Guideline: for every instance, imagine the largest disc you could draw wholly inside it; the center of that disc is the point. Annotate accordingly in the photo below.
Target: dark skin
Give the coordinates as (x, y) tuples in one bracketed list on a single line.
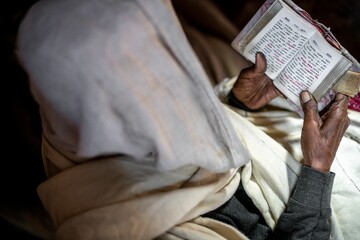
[(253, 87), (321, 133)]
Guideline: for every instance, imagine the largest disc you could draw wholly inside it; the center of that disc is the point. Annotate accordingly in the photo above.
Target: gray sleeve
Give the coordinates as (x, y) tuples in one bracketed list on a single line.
[(308, 212)]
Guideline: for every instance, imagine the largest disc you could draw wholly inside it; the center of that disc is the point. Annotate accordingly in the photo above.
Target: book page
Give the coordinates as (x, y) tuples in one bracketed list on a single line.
[(280, 40), (308, 68)]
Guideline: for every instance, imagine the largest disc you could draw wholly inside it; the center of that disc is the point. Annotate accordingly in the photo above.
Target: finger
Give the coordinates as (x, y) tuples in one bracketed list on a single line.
[(260, 63), (343, 99), (337, 115), (311, 115), (339, 105)]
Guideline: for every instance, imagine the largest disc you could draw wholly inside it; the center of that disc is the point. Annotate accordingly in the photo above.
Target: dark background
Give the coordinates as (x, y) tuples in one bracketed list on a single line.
[(21, 166)]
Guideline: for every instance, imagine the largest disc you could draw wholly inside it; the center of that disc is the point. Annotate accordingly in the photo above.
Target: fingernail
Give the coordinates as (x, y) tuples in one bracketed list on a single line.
[(305, 96), (258, 54)]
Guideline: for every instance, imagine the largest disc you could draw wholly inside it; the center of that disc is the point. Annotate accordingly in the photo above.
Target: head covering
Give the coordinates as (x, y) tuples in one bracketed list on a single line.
[(120, 78)]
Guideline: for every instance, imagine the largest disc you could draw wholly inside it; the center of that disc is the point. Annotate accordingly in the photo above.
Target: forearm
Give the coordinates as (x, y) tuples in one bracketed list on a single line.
[(308, 212)]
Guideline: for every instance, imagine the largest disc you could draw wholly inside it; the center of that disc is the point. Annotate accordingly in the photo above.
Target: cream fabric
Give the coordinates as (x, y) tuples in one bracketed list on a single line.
[(102, 193), (203, 229), (118, 198)]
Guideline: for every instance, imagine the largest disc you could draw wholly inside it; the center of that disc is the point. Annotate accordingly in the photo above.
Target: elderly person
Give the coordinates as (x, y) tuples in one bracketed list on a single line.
[(136, 144)]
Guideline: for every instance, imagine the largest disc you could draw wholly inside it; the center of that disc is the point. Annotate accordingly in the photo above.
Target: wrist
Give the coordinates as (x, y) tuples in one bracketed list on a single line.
[(320, 167)]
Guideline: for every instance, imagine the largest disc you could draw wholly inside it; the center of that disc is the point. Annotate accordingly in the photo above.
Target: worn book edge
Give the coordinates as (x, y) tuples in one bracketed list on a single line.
[(349, 84)]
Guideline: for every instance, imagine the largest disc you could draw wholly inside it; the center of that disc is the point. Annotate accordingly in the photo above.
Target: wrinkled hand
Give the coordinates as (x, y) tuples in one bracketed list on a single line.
[(253, 88), (321, 135)]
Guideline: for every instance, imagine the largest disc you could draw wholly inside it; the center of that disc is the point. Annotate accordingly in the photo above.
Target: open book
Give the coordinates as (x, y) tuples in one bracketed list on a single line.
[(301, 53)]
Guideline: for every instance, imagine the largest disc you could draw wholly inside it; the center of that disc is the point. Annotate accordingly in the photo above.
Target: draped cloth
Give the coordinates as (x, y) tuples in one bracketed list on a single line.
[(124, 82), (101, 194)]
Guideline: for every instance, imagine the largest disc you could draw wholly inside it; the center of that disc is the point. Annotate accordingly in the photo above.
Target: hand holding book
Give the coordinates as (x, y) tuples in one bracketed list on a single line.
[(253, 88), (301, 53), (321, 134)]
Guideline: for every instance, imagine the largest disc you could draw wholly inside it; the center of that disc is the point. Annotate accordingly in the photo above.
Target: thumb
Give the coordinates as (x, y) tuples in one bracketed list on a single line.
[(309, 106), (260, 63)]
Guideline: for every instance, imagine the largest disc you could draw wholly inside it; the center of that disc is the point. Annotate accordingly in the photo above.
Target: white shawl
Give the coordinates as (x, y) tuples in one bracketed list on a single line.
[(119, 77)]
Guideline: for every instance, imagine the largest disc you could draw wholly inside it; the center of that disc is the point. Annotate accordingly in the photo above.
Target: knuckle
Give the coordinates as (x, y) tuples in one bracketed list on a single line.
[(309, 106)]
